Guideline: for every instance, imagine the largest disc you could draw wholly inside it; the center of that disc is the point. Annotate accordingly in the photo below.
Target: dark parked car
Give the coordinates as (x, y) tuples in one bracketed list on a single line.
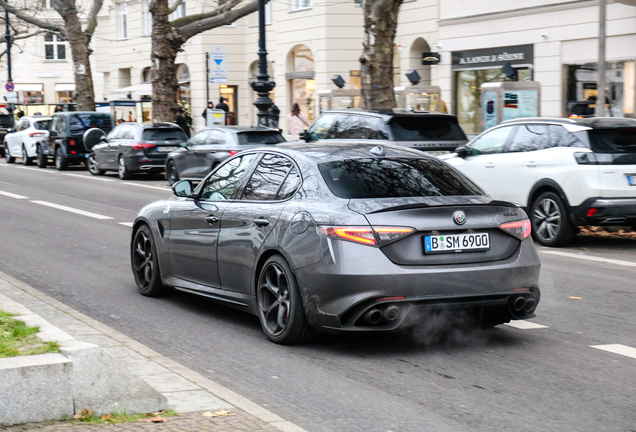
[(133, 147), (6, 124), (208, 148), (431, 132), (332, 237), (66, 137)]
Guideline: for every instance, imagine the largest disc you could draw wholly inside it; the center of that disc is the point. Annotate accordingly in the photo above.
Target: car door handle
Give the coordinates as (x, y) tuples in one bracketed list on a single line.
[(211, 219), (261, 222), (531, 164), (490, 165)]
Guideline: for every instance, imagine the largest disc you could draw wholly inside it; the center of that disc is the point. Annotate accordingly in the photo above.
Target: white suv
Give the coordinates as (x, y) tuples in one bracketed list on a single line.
[(564, 172), (22, 141)]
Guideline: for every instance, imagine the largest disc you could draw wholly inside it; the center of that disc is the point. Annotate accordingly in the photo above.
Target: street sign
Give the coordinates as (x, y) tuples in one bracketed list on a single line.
[(12, 96), (9, 86), (218, 65)]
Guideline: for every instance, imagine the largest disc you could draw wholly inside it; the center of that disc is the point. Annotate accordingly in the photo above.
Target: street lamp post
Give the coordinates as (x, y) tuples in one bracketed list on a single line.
[(600, 70), (7, 37), (262, 86)]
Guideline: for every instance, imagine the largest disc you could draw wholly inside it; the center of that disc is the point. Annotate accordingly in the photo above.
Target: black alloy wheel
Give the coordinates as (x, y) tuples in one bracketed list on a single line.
[(7, 154), (145, 265), (61, 163), (171, 173), (280, 307), (41, 157), (122, 171), (550, 223), (93, 168), (26, 160)]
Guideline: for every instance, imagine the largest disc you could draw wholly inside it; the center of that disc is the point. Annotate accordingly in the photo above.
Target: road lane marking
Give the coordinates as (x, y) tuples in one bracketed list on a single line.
[(128, 224), (89, 177), (590, 258), (146, 186), (37, 169), (525, 325), (12, 195), (71, 210), (617, 349)]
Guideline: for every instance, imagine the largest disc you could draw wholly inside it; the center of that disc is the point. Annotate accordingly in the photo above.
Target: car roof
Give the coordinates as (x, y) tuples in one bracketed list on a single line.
[(593, 122), (37, 118), (80, 112), (327, 150), (239, 129), (153, 125), (388, 113)]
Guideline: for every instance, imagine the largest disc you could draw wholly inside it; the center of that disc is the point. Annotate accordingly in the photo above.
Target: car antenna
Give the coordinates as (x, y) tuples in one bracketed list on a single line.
[(378, 151)]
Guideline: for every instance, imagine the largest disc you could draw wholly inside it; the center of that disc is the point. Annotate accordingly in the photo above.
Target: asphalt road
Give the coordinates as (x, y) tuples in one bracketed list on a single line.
[(534, 379)]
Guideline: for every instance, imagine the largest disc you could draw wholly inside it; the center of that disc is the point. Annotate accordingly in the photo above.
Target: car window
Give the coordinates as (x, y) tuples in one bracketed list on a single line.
[(114, 134), (619, 140), (393, 178), (491, 142), (267, 178), (254, 137), (42, 124), (290, 185), (321, 126), (222, 184), (163, 134), (426, 128), (529, 137), (198, 139), (216, 137), (346, 127), (61, 124), (22, 125), (80, 123), (561, 137), (125, 133)]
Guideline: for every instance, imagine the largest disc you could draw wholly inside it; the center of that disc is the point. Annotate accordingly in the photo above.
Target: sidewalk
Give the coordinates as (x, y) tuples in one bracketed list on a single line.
[(187, 392)]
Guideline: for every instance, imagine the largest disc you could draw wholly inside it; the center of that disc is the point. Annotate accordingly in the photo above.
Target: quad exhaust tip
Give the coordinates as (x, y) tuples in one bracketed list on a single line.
[(392, 313)]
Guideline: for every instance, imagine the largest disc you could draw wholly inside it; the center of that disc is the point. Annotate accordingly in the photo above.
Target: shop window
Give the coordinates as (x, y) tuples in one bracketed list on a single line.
[(122, 20), (64, 97), (33, 97), (301, 80), (54, 47), (301, 4), (146, 17)]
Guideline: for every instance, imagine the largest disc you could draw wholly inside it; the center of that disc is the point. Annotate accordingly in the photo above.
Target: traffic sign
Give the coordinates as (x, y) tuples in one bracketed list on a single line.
[(218, 65), (12, 96), (9, 86)]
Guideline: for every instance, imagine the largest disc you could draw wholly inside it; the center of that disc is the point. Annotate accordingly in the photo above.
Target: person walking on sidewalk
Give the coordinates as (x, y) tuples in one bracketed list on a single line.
[(296, 122), (182, 122), (205, 111)]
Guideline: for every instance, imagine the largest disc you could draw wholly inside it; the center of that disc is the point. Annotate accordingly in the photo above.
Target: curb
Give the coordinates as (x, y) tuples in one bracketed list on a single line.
[(195, 378)]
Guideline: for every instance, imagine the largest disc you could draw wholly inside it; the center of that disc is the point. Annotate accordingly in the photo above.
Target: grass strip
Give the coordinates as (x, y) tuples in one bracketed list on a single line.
[(18, 339)]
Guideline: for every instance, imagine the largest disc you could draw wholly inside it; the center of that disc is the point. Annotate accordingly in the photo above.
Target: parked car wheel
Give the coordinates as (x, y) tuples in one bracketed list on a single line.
[(7, 154), (171, 173), (123, 172), (41, 157), (26, 160), (60, 160), (93, 168), (280, 307), (145, 264), (550, 223)]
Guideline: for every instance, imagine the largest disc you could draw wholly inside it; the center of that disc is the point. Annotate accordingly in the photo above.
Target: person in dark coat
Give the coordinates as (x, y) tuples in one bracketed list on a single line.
[(205, 111), (274, 115), (182, 121), (222, 105)]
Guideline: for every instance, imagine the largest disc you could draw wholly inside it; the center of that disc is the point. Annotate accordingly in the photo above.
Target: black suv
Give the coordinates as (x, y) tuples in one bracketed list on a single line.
[(66, 137), (431, 132), (6, 124)]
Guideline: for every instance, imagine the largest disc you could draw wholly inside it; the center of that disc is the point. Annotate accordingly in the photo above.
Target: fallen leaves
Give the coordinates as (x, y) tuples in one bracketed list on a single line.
[(219, 413), (152, 420), (576, 298), (83, 414), (106, 417)]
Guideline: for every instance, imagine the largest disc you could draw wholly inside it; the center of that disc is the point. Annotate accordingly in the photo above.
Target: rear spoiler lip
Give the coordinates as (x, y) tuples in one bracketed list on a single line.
[(496, 203)]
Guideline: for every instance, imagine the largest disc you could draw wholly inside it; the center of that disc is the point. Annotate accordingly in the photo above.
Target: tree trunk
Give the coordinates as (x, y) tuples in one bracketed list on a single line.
[(380, 25), (78, 41), (166, 43)]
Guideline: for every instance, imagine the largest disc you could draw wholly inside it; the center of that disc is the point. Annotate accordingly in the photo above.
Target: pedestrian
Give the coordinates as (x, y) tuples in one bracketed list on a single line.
[(274, 116), (182, 121), (222, 105), (205, 111), (58, 108), (296, 122)]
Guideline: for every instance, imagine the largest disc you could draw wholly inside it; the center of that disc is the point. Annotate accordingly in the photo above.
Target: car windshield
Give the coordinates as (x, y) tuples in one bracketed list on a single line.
[(80, 123), (5, 121), (426, 129), (163, 134), (42, 124), (254, 137), (619, 140), (394, 178)]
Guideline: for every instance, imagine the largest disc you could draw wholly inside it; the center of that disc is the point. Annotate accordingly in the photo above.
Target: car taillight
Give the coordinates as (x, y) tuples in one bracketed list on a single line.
[(370, 236), (142, 146), (71, 142), (37, 134), (520, 229), (233, 152)]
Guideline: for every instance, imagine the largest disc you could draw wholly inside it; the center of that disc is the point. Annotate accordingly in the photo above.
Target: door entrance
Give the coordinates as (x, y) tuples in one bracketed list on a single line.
[(230, 93)]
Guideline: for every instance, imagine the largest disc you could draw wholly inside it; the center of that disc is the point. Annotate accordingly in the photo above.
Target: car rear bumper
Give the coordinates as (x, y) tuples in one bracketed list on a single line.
[(606, 211), (143, 163), (338, 294)]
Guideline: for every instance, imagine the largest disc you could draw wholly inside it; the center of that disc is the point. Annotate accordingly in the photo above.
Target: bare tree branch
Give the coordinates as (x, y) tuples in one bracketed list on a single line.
[(92, 17), (47, 25), (26, 36), (181, 22), (201, 25), (174, 6)]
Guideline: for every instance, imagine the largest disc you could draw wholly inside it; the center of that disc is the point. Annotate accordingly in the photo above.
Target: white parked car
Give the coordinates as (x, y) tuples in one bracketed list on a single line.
[(22, 141), (566, 173)]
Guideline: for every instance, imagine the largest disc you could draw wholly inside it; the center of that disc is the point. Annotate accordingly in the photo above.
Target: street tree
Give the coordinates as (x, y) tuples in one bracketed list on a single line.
[(376, 62), (168, 38), (78, 39), (19, 31)]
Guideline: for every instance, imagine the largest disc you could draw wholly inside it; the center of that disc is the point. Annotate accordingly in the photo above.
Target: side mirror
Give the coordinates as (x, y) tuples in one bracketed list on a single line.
[(183, 188), (184, 144), (103, 139), (462, 151), (305, 135)]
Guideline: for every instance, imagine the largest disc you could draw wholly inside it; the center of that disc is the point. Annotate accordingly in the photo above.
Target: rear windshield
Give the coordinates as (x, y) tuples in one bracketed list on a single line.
[(254, 137), (620, 140), (80, 123), (163, 135), (43, 124), (426, 129), (394, 178), (5, 121)]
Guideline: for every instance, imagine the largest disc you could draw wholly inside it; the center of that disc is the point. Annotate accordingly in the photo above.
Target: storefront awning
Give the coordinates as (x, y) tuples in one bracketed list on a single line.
[(29, 87), (64, 87), (139, 89)]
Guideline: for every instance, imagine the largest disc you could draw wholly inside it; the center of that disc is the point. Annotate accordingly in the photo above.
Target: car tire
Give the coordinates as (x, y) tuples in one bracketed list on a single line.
[(551, 225), (279, 305), (93, 168), (7, 154), (172, 175), (26, 160), (145, 264), (122, 170), (41, 158), (61, 163)]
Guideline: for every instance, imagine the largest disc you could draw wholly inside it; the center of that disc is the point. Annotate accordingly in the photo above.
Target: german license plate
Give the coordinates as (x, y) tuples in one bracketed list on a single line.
[(166, 149), (631, 179), (452, 243)]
